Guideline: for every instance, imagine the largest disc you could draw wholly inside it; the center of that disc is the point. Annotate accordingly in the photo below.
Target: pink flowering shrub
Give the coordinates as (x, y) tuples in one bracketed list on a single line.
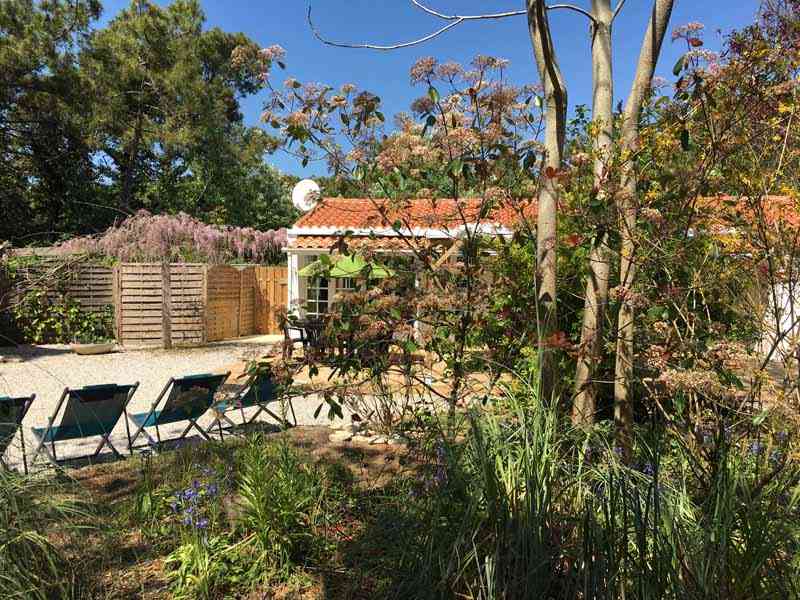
[(145, 237)]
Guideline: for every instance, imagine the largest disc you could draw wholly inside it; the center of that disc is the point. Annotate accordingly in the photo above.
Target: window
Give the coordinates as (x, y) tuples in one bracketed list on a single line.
[(317, 293), (347, 284)]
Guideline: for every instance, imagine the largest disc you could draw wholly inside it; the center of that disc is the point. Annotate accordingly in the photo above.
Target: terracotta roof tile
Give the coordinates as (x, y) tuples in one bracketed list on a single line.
[(362, 213), (728, 211)]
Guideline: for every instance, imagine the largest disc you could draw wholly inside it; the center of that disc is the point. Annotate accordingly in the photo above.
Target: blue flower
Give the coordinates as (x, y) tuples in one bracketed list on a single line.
[(756, 448), (618, 451), (202, 524), (212, 489), (187, 520), (783, 436), (648, 469), (441, 476), (174, 506)]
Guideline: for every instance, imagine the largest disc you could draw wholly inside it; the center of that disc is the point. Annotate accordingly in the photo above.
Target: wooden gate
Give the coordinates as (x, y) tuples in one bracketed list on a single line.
[(271, 294)]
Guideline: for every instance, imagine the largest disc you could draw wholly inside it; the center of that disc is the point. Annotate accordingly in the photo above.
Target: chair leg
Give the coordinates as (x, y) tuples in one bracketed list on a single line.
[(43, 446), (193, 423), (105, 441), (22, 444), (150, 441)]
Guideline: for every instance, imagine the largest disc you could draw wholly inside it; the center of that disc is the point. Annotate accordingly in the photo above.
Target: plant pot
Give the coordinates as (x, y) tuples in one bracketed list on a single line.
[(89, 349)]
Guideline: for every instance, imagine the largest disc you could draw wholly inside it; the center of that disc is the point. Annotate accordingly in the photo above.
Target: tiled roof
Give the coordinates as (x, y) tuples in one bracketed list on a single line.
[(362, 213), (727, 211)]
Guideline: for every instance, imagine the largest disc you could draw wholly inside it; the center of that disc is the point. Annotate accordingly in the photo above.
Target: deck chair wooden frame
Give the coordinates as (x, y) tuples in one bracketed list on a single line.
[(239, 402), (21, 404), (175, 410), (76, 402)]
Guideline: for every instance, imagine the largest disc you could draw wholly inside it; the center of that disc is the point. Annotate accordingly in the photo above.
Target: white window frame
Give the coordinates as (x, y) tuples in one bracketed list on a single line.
[(313, 287)]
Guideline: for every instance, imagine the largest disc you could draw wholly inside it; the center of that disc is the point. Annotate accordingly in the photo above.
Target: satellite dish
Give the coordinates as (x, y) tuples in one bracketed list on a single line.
[(305, 195)]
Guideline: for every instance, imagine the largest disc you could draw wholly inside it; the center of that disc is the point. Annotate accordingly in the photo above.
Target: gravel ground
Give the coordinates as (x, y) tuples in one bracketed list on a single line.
[(47, 370)]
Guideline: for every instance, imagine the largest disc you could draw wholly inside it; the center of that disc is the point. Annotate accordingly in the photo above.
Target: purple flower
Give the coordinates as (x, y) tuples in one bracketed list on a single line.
[(202, 524), (441, 476), (756, 448), (212, 489), (648, 469), (783, 437)]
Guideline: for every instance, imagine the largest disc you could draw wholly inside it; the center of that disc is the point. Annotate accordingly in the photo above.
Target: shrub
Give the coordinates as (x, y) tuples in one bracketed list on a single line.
[(145, 237), (44, 319)]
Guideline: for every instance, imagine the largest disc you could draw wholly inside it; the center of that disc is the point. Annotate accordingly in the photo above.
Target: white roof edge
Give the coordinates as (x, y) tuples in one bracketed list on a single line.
[(430, 233)]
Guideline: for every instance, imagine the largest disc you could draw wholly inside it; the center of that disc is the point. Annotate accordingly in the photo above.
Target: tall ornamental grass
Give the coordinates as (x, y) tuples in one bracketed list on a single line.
[(31, 565), (528, 508)]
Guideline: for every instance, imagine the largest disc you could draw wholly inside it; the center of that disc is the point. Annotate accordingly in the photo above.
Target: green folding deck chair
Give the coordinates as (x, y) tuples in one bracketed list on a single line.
[(259, 390), (187, 399), (12, 411), (90, 411)]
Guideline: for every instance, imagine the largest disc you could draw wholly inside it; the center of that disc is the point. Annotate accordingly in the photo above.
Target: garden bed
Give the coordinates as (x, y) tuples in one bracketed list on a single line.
[(128, 561)]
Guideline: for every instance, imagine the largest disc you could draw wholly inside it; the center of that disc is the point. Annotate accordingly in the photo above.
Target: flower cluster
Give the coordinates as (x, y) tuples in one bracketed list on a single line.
[(145, 237), (191, 504), (688, 31)]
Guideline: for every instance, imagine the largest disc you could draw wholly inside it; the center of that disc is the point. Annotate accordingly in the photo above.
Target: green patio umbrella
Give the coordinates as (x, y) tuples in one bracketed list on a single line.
[(346, 266), (355, 266), (317, 268)]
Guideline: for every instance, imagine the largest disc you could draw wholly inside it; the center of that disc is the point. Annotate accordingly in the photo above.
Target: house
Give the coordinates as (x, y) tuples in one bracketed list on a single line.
[(388, 229)]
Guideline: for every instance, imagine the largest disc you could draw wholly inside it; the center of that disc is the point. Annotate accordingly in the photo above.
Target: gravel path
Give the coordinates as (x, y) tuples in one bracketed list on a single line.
[(47, 370)]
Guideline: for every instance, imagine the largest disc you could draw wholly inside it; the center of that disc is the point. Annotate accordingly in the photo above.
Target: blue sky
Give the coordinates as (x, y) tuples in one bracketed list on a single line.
[(283, 22)]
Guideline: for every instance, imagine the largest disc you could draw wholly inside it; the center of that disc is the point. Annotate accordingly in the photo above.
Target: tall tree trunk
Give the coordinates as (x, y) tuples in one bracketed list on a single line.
[(131, 166), (628, 204), (596, 296), (555, 105)]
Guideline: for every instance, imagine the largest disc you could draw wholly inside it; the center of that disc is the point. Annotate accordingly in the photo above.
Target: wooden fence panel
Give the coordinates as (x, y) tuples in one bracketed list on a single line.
[(223, 303), (140, 304), (90, 284), (272, 293), (205, 303), (188, 304), (247, 301)]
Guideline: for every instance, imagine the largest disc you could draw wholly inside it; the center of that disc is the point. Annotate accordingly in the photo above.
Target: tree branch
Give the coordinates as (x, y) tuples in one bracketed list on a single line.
[(574, 8), (416, 42), (502, 15), (617, 10), (454, 20)]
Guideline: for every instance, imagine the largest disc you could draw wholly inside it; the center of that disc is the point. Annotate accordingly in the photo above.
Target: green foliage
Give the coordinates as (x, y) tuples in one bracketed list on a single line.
[(42, 318), (525, 508), (281, 498), (31, 566), (141, 113)]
